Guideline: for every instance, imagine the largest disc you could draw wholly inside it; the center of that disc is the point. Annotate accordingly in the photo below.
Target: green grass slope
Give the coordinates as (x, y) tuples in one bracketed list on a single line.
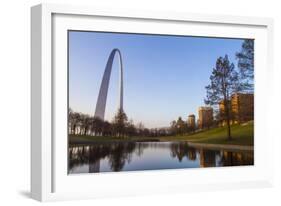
[(241, 135)]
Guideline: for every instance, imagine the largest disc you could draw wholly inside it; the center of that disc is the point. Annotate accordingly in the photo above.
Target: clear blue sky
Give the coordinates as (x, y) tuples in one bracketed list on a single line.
[(164, 76)]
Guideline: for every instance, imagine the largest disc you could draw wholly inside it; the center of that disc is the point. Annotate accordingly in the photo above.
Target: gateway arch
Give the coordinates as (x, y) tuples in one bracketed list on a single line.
[(101, 102)]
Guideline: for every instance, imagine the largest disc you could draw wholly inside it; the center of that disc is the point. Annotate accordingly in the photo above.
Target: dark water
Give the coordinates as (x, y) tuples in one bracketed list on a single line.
[(108, 157)]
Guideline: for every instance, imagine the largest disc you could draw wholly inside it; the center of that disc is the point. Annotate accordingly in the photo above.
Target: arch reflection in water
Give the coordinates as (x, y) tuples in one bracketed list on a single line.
[(129, 156)]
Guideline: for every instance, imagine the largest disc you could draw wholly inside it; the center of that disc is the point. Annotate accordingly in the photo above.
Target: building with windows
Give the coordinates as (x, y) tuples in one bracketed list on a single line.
[(191, 122), (205, 117), (241, 108)]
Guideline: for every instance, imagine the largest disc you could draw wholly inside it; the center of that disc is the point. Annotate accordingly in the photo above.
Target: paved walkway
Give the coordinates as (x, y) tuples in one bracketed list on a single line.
[(222, 146)]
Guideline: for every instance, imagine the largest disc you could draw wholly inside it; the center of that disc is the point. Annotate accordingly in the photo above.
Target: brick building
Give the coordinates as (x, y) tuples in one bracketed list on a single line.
[(241, 108), (205, 117)]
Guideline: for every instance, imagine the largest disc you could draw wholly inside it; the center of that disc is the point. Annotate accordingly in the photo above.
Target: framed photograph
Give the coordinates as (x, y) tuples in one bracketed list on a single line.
[(136, 102)]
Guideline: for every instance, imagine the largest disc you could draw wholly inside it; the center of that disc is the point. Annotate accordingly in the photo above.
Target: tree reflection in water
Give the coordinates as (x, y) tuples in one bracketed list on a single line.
[(117, 155), (181, 150)]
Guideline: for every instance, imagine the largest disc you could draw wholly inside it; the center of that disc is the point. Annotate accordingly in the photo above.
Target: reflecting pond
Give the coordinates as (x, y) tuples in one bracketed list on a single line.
[(133, 156)]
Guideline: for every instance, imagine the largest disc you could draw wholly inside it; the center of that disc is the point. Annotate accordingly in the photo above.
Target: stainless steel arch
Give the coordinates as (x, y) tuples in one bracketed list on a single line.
[(101, 102)]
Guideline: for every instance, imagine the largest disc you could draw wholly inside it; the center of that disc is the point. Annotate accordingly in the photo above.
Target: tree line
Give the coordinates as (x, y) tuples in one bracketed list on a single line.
[(120, 126), (181, 127)]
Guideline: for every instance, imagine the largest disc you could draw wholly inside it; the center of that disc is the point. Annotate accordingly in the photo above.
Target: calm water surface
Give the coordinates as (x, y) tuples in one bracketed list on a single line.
[(108, 157)]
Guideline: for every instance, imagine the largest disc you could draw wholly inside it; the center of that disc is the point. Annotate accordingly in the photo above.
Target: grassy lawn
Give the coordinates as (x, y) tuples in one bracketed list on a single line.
[(82, 139), (241, 135)]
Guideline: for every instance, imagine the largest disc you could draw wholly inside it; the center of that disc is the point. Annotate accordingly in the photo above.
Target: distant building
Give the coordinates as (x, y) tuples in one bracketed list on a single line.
[(191, 121), (241, 108), (205, 117)]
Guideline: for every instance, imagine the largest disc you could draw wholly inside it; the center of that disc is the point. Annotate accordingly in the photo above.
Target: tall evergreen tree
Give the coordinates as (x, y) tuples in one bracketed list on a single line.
[(224, 82), (180, 126), (246, 64), (120, 121)]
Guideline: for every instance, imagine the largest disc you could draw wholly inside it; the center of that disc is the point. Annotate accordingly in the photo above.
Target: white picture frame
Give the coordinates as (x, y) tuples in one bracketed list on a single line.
[(49, 179)]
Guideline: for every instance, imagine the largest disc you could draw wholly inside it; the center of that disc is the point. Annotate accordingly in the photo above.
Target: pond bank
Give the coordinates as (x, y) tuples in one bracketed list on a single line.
[(221, 146)]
